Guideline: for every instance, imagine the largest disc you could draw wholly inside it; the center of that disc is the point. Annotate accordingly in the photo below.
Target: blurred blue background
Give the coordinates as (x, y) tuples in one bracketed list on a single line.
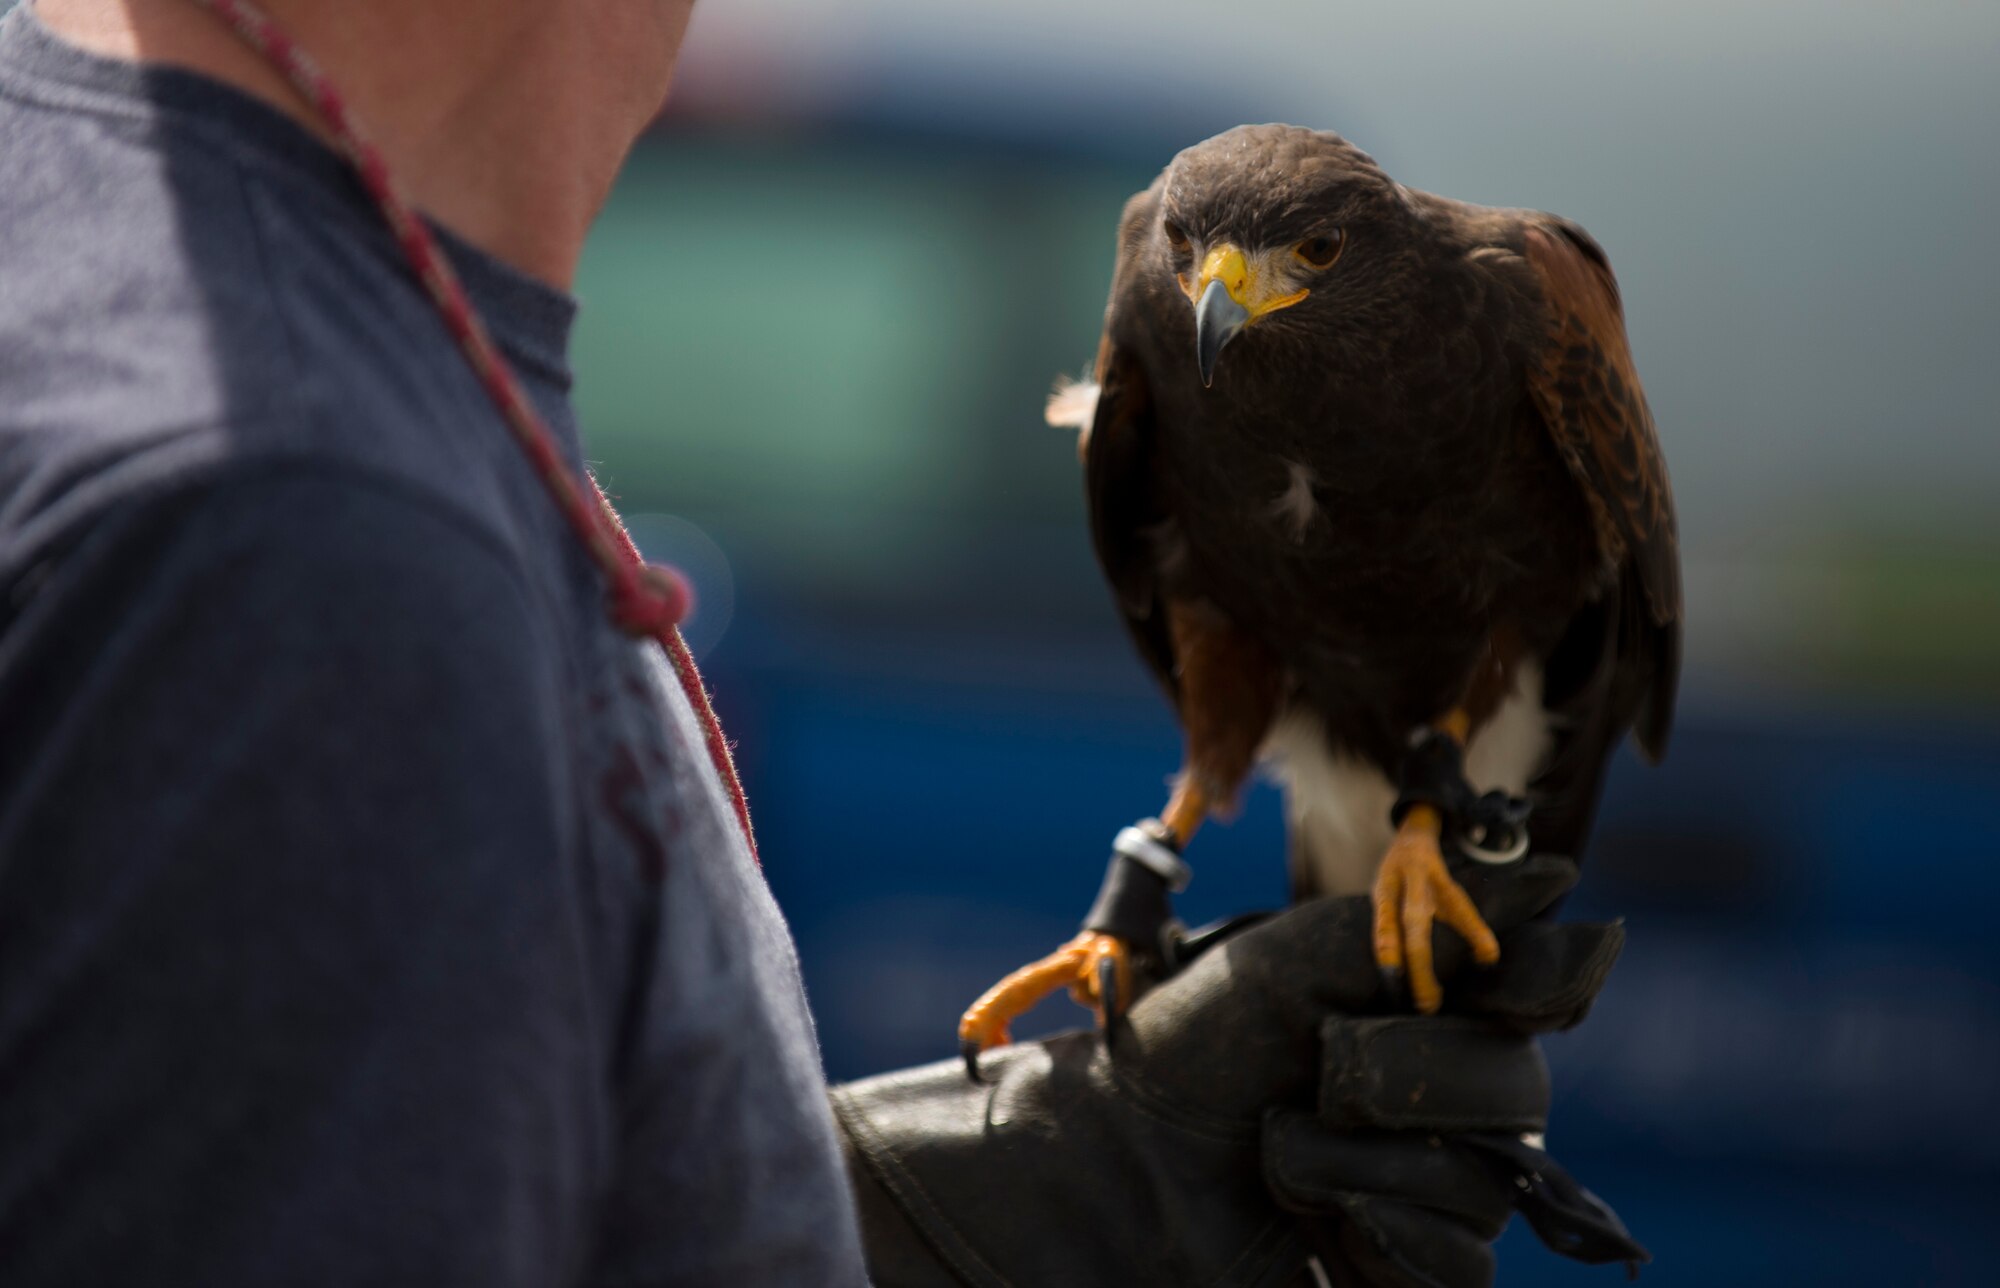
[(819, 321)]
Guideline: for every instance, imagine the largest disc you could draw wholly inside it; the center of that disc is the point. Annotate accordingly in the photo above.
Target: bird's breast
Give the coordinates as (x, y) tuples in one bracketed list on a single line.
[(1372, 556), (1334, 502)]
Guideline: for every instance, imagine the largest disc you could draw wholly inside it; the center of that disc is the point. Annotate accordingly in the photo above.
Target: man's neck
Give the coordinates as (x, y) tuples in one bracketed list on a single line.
[(505, 120)]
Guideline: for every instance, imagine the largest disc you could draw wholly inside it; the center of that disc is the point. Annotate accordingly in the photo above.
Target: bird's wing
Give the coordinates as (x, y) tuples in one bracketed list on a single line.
[(1126, 517), (1587, 390)]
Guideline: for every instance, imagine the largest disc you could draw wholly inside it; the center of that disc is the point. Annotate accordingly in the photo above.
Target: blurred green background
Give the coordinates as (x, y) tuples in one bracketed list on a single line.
[(832, 291), (829, 296)]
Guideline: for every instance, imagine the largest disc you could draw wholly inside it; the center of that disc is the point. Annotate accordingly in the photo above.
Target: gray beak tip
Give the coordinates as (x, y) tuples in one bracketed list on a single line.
[(1217, 319)]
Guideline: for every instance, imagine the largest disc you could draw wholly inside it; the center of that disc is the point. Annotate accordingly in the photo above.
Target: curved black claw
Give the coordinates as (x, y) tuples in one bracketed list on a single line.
[(1395, 983), (1107, 995), (968, 1050)]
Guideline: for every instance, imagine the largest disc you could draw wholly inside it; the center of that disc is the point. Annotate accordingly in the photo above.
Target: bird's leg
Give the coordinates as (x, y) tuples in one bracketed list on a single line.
[(1186, 810), (1108, 992), (1228, 688), (986, 1022), (1097, 964), (1414, 890)]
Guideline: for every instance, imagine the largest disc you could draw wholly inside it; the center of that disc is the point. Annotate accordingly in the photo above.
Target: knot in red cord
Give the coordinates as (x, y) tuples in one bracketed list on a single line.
[(649, 599)]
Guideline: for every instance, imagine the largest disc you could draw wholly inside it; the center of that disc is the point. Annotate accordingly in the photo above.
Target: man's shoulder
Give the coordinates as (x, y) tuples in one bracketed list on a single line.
[(274, 546), (245, 484), (118, 357), (171, 316)]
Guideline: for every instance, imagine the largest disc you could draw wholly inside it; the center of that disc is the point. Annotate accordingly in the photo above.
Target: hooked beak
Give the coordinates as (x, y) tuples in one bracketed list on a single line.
[(1217, 319), (1232, 292)]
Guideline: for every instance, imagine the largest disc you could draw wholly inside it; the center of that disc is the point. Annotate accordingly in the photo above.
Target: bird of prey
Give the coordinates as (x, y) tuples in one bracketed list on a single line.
[(1370, 470)]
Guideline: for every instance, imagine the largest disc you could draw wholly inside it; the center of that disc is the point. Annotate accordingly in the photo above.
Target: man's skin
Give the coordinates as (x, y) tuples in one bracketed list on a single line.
[(505, 120)]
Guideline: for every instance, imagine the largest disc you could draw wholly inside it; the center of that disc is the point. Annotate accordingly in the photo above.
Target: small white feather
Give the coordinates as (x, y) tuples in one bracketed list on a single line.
[(1296, 507), (1073, 404)]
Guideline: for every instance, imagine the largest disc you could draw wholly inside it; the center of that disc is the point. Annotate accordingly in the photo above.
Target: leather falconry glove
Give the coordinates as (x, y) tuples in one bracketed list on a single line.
[(1270, 1104)]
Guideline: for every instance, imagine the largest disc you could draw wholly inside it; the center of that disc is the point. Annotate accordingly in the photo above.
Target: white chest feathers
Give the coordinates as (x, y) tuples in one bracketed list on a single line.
[(1338, 807)]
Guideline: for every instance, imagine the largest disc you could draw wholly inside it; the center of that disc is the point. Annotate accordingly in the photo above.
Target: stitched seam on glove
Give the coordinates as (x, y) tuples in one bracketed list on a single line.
[(933, 1224)]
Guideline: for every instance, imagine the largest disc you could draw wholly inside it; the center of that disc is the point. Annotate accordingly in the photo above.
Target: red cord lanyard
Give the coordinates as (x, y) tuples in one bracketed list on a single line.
[(646, 600)]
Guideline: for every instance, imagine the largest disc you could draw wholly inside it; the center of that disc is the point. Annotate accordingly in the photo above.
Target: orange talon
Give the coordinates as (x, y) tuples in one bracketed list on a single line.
[(1077, 964), (1089, 964), (1388, 934), (1413, 891), (1087, 988)]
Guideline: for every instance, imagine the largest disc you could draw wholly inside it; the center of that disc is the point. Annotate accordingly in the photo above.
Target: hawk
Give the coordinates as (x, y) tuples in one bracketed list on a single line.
[(1371, 476)]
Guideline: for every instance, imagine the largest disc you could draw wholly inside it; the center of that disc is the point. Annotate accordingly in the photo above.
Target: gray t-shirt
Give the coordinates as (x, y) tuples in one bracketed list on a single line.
[(369, 909)]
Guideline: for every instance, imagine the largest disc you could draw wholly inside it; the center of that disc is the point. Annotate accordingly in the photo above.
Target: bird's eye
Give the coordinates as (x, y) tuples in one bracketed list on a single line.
[(1176, 238), (1321, 251)]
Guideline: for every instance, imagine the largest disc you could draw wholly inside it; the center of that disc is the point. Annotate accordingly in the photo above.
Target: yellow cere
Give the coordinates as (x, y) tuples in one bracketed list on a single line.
[(1248, 282)]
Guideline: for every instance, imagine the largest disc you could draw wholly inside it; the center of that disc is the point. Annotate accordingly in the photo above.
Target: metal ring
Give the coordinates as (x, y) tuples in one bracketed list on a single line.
[(1496, 857), (1149, 852)]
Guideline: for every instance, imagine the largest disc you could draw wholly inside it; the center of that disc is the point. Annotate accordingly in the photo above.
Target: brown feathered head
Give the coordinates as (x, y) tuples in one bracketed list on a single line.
[(1277, 230)]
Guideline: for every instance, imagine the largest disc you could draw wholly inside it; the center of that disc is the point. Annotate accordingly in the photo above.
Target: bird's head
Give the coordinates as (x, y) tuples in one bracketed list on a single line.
[(1273, 228)]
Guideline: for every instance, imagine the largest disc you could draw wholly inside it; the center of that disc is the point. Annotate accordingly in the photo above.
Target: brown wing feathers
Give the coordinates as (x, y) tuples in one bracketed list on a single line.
[(1588, 392), (1124, 510)]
